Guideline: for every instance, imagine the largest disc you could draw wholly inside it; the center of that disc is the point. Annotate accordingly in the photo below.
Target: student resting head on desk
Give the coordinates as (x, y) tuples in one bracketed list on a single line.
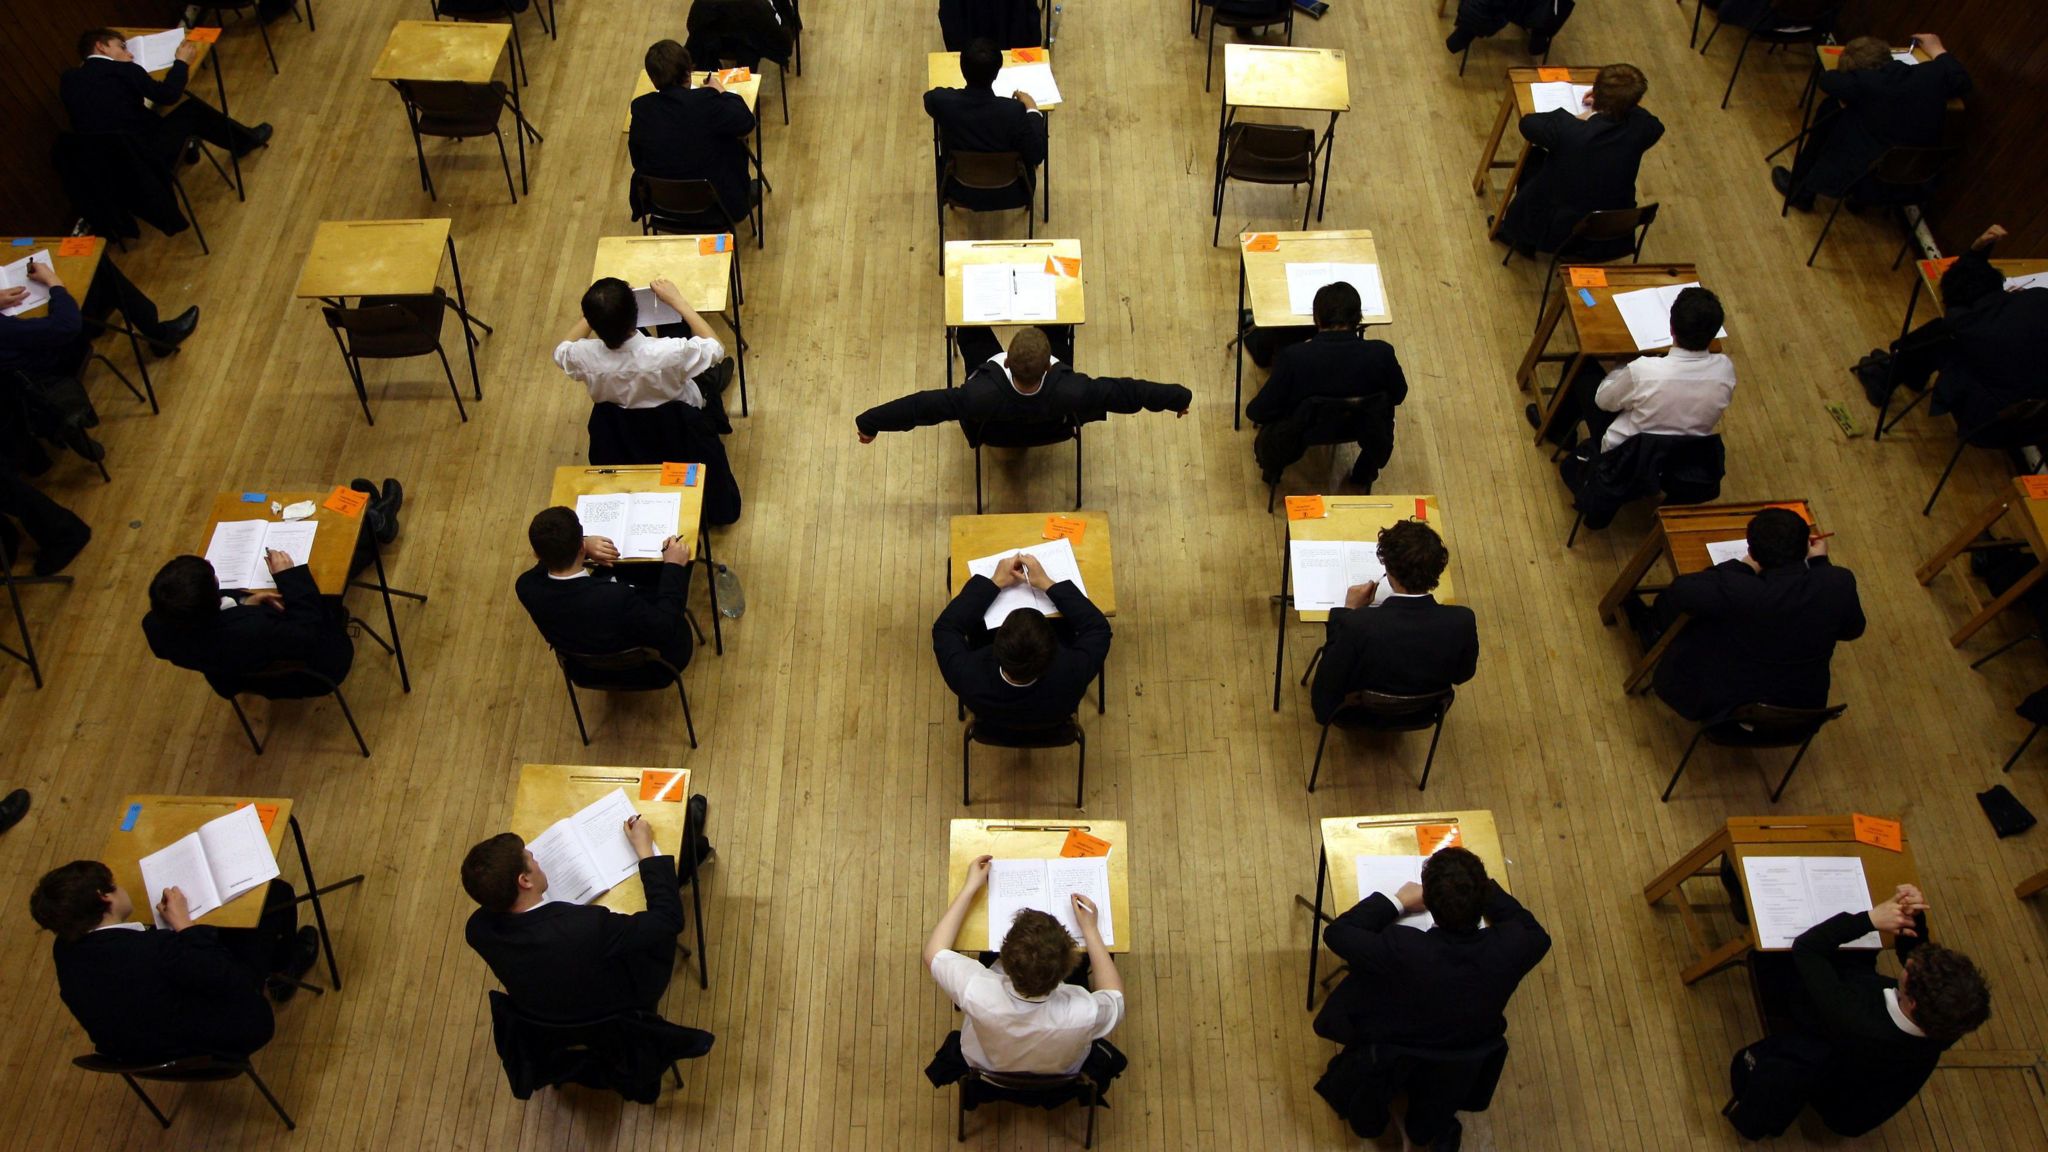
[(1581, 164), (1988, 345), (1874, 103), (149, 994), (192, 624), (1027, 671), (1337, 363), (1392, 636)]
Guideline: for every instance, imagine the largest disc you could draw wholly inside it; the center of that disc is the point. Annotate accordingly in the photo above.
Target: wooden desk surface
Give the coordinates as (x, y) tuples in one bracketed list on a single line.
[(75, 271), (333, 545), (1345, 838), (942, 69), (1361, 518), (1035, 840), (1931, 270), (639, 260), (748, 90), (976, 536), (374, 258), (1519, 80), (1689, 529), (1600, 329), (548, 792), (1830, 55), (1779, 835), (192, 69), (573, 480), (1280, 77), (1265, 273), (164, 820), (1069, 304), (442, 50)]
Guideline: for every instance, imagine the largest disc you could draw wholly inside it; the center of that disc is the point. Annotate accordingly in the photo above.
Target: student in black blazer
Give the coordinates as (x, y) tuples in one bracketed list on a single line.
[(1873, 103), (145, 993), (1407, 644), (105, 93), (1989, 344), (679, 132), (1478, 19), (188, 626), (570, 963), (975, 119), (587, 610), (1023, 386), (1582, 164), (1337, 361), (1762, 628), (1024, 672), (745, 32)]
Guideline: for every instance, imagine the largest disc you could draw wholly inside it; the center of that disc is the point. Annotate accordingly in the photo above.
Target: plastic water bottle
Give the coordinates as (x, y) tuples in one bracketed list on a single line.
[(1052, 29), (732, 601)]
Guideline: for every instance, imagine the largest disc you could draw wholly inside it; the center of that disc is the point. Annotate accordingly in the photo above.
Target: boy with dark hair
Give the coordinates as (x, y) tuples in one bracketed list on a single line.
[(585, 610), (193, 625), (679, 132), (1338, 361), (1681, 393), (1403, 642), (110, 93), (1989, 345), (606, 353), (1580, 164), (1025, 671), (975, 119)]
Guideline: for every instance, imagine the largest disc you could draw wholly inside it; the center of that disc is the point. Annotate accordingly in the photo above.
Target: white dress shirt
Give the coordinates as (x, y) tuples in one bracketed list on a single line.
[(1680, 393), (1898, 1014), (1006, 1031), (1002, 360), (643, 372)]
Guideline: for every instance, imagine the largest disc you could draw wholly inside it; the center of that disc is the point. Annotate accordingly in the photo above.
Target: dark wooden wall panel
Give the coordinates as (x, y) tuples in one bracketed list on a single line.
[(41, 42), (2004, 44)]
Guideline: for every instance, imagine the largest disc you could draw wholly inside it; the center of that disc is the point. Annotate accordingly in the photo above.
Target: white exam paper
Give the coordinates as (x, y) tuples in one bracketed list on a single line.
[(237, 549), (1385, 875), (653, 313), (15, 275), (1304, 279), (1005, 293), (1552, 95), (2021, 283), (1055, 556), (228, 856), (1048, 885), (1722, 551), (637, 523), (157, 50), (1324, 570), (1647, 312), (1789, 894), (1034, 80)]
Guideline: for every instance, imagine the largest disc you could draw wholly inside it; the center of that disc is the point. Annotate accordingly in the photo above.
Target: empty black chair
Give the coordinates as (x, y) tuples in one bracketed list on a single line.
[(1321, 420), (189, 1070), (1598, 238), (690, 207), (634, 670), (454, 110), (1243, 15), (625, 1053), (1029, 1088), (1266, 154), (2016, 426), (1385, 712), (113, 180), (1760, 726), (290, 680), (393, 328), (1014, 434), (1003, 175), (1807, 22), (1011, 734), (53, 406)]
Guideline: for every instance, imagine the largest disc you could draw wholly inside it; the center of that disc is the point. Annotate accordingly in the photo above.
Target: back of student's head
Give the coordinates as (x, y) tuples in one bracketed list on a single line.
[(609, 309), (89, 41), (557, 537), (491, 872), (668, 65), (1778, 537), (980, 63), (67, 900), (1414, 555), (1025, 645), (1454, 887), (1864, 53), (1337, 306), (1038, 953), (1696, 318), (1968, 281), (185, 590), (1951, 999), (1030, 354), (1618, 89)]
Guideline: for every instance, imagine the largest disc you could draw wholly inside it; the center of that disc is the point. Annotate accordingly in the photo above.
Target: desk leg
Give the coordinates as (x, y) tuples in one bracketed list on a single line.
[(949, 355), (1558, 396), (1694, 862), (1546, 326), (27, 655), (711, 574), (1045, 170), (1243, 329), (141, 365), (1315, 924), (476, 383), (1912, 303), (739, 337), (1639, 676), (313, 894), (2032, 884), (1806, 103), (2011, 596), (1329, 148), (1280, 644), (696, 900), (390, 618), (1716, 960), (1492, 149), (519, 129), (1507, 195), (1969, 532), (1216, 174), (1632, 573)]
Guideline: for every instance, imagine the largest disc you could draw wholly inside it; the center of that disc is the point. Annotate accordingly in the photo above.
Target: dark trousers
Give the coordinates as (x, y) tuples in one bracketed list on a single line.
[(195, 117), (979, 345), (112, 291), (52, 526), (1579, 406), (267, 947)]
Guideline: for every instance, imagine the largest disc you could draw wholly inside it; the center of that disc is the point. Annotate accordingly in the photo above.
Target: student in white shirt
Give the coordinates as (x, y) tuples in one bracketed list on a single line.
[(1681, 393), (1019, 1016), (606, 352)]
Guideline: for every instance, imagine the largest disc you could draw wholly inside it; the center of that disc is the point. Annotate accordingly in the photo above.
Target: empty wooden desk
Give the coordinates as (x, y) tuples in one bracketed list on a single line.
[(973, 537), (1056, 257), (1281, 78), (1351, 518), (1262, 278), (463, 53), (1519, 100), (1344, 839), (572, 481), (705, 269), (942, 70), (1746, 836), (1598, 326), (2031, 516), (351, 259), (1035, 840), (1680, 537), (549, 792)]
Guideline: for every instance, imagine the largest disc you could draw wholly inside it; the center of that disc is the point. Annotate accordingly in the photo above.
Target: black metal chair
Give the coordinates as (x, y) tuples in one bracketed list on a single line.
[(1465, 57), (456, 110), (538, 1053), (1009, 734), (1760, 726), (691, 207), (1012, 434), (1596, 234), (189, 1070), (394, 328), (2034, 710), (1266, 154), (1808, 22), (1901, 177), (1327, 421), (2016, 426), (634, 670), (489, 11), (27, 653), (68, 430), (216, 7), (990, 172), (1256, 15), (1385, 712), (290, 680), (1030, 1084)]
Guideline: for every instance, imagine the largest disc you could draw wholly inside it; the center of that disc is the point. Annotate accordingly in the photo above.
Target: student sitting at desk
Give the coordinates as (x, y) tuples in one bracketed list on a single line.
[(1478, 19), (1443, 990), (1681, 393), (1989, 344), (585, 611), (606, 353), (1006, 23), (975, 119), (1873, 103), (1582, 164), (1026, 385), (106, 93), (48, 344), (1403, 643), (1861, 1044), (156, 994), (679, 132), (1026, 671), (192, 625), (1763, 627), (1338, 361), (742, 31)]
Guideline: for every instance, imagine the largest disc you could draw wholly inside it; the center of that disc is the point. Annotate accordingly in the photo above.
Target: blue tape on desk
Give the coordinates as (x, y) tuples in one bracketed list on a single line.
[(690, 477), (1586, 296), (128, 821), (25, 242), (253, 497)]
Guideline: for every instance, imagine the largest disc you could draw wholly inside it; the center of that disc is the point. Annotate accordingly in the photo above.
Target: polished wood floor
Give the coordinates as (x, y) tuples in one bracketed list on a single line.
[(830, 750)]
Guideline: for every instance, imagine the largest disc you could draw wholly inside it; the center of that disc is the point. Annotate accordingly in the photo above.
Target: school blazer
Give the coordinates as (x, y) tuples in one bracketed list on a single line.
[(1756, 637), (157, 995), (1407, 646), (968, 661), (571, 963), (989, 398)]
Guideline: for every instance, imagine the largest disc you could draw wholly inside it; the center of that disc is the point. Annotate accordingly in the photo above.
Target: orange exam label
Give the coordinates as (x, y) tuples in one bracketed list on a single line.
[(1433, 838), (1305, 508), (735, 76), (1262, 242), (1069, 266), (1080, 843), (673, 474), (1800, 509), (1553, 75), (665, 784), (267, 813), (1027, 55), (2036, 487), (713, 245), (346, 501), (1589, 277), (76, 246), (1878, 832), (1069, 528), (202, 35)]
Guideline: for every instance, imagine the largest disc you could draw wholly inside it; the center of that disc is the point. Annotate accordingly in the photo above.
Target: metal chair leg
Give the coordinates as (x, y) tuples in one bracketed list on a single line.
[(1576, 521), (1313, 659), (455, 391), (575, 707), (1081, 767), (1681, 764), (1794, 767), (1822, 238), (1088, 1140), (248, 731), (2019, 751), (146, 1101), (1957, 455), (1210, 71), (1732, 72), (270, 1099), (505, 163), (689, 725), (977, 480), (350, 717), (966, 745), (1317, 768), (1077, 467), (2002, 649), (1430, 760)]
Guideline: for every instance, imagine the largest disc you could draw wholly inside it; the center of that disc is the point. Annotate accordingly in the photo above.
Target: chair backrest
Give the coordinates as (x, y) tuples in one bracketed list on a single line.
[(1033, 1083), (454, 107), (1770, 726), (1366, 708), (187, 1069), (284, 680), (985, 171), (1025, 734), (1817, 15), (1249, 13), (1691, 470), (1340, 419), (391, 327), (680, 199), (1902, 167), (634, 669), (2015, 426), (1019, 433), (1269, 148), (1609, 225)]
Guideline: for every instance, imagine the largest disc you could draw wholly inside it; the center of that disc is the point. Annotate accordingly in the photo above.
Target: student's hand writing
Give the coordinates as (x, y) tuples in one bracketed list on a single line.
[(188, 51), (675, 550), (1034, 571), (1409, 897), (715, 80), (1817, 545), (9, 297), (174, 910), (641, 837), (45, 274), (1025, 99), (1890, 917), (977, 873), (600, 550), (277, 561), (264, 598), (1084, 914), (1991, 236), (1929, 43), (1009, 570), (665, 290), (1360, 595)]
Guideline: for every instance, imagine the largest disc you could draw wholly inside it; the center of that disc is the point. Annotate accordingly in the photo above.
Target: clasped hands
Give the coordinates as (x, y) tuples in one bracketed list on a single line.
[(1898, 913), (1021, 566)]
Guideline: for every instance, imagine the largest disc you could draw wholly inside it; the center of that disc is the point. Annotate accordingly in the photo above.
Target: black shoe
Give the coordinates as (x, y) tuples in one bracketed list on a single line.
[(364, 486), (12, 808), (77, 439), (1781, 179), (50, 561), (258, 137), (191, 152), (393, 498), (1533, 416), (1457, 41), (305, 952), (1363, 480), (172, 332), (1452, 1138), (1539, 43)]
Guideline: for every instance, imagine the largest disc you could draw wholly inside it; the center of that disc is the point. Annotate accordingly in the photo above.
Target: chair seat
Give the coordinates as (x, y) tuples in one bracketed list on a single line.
[(1360, 718), (1020, 435), (1056, 734), (1270, 154)]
